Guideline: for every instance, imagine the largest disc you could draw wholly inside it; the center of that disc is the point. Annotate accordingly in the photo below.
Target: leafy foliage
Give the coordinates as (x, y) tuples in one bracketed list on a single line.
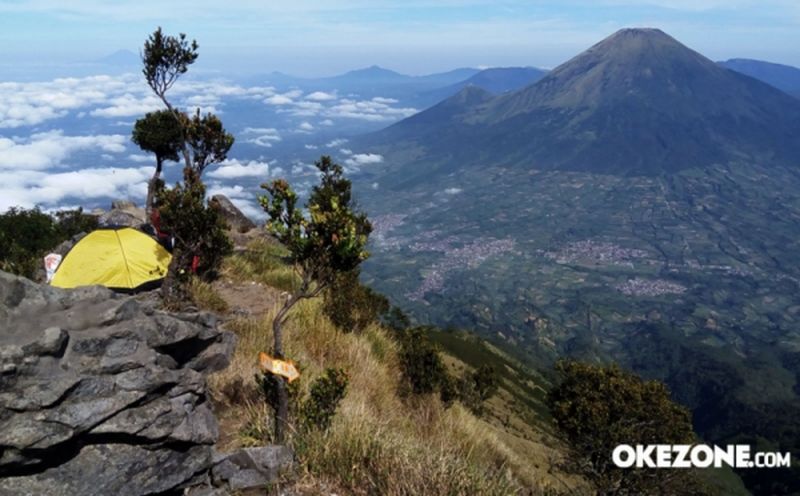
[(324, 397), (165, 58), (598, 408), (333, 237), (160, 133), (198, 229), (26, 235), (208, 140), (352, 306), (478, 386), (422, 364)]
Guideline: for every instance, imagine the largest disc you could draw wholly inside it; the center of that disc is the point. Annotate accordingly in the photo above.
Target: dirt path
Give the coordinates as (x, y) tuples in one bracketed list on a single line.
[(248, 299)]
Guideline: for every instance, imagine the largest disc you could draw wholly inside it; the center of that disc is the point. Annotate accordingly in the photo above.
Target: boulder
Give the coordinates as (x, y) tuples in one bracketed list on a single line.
[(123, 213), (102, 393), (237, 221)]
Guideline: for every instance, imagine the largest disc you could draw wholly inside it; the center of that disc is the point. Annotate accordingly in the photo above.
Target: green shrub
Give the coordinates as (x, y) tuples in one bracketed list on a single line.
[(26, 235), (421, 362), (324, 397), (598, 408), (352, 306), (476, 387), (198, 229)]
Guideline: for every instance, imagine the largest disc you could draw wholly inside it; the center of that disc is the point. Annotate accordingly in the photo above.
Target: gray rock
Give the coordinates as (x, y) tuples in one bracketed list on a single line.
[(103, 394), (237, 221), (123, 213), (122, 204), (250, 468)]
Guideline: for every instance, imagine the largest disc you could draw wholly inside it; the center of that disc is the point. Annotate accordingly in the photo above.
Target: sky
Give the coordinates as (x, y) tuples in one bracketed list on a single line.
[(326, 37)]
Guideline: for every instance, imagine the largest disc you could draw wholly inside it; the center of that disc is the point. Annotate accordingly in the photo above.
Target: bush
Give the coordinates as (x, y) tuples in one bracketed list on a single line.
[(26, 235), (476, 387), (352, 306), (199, 231), (598, 408), (324, 397), (422, 363)]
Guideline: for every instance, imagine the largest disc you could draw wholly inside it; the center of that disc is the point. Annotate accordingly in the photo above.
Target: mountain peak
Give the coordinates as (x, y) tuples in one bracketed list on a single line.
[(638, 102)]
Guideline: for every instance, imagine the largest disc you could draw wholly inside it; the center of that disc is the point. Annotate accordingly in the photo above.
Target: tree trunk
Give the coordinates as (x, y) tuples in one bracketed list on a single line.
[(151, 188), (282, 408), (173, 291)]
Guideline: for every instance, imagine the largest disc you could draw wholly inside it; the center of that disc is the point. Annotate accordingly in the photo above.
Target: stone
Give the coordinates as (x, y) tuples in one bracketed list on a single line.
[(122, 205), (123, 213), (102, 393), (237, 221), (251, 468)]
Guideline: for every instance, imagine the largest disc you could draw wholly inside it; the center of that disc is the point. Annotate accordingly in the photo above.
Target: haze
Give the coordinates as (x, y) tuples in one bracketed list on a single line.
[(324, 37)]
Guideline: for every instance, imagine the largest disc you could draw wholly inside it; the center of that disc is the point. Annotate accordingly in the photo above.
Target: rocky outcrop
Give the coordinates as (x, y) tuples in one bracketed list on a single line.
[(122, 213), (237, 221), (247, 468), (103, 394)]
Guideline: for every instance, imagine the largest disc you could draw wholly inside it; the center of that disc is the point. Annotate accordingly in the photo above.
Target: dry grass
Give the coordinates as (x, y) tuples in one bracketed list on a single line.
[(378, 443), (206, 298), (262, 261)]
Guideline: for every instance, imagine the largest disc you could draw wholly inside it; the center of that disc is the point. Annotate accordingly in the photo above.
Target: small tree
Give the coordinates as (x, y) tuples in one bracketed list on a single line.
[(160, 133), (327, 242), (599, 408), (165, 59), (202, 140)]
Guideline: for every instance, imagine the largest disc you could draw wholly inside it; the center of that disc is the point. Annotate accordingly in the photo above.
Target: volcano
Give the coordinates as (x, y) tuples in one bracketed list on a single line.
[(637, 103)]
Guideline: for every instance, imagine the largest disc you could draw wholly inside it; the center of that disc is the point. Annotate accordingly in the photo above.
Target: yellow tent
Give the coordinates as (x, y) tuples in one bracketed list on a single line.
[(118, 258)]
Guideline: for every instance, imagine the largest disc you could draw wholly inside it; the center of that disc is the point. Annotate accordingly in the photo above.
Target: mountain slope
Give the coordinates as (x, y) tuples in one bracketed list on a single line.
[(784, 77), (639, 204), (636, 103), (495, 80)]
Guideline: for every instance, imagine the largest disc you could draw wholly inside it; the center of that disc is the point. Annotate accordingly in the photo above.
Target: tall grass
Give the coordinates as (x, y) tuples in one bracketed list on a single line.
[(378, 442)]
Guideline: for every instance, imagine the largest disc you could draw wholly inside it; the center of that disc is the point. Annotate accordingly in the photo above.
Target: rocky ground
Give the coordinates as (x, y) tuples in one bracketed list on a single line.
[(105, 394)]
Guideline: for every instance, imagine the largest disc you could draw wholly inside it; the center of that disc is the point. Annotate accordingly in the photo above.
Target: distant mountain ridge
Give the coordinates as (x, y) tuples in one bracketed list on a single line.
[(495, 80), (638, 102), (784, 77)]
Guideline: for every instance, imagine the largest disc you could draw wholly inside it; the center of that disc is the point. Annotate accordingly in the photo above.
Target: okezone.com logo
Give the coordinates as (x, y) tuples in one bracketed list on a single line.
[(697, 455)]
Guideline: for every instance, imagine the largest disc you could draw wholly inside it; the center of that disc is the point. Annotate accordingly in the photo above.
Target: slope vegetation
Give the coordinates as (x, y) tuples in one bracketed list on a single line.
[(380, 442)]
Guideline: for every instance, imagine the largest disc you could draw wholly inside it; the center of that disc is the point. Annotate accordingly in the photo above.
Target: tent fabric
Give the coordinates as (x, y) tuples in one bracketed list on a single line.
[(116, 258)]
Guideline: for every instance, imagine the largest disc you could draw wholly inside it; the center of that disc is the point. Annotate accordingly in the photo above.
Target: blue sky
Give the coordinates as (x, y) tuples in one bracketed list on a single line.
[(323, 37)]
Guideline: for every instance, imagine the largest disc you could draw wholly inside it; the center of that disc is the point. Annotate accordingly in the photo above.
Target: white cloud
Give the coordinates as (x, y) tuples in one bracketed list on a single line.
[(320, 96), (233, 169), (237, 192), (50, 149), (376, 110), (380, 99), (140, 158), (336, 142), (306, 126), (264, 136), (29, 188), (345, 151), (453, 191), (311, 147), (278, 100), (128, 105), (360, 159), (327, 122)]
